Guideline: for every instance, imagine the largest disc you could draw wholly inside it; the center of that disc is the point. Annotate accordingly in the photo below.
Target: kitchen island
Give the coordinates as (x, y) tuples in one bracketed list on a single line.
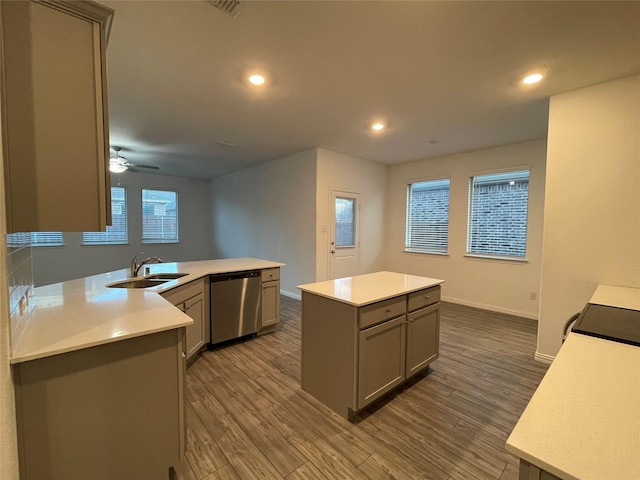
[(583, 422), (365, 335), (99, 374)]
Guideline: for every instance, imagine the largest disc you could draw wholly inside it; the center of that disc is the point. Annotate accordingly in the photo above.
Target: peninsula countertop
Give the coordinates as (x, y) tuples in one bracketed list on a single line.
[(369, 288), (583, 422), (83, 313)]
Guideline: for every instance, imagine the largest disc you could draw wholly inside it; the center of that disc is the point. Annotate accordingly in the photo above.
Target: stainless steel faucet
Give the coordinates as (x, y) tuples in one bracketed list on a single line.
[(135, 266)]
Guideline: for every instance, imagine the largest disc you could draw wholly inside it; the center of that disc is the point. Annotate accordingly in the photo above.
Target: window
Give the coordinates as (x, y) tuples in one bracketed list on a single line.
[(159, 216), (428, 217), (498, 206), (46, 239), (18, 240), (116, 233), (345, 222)]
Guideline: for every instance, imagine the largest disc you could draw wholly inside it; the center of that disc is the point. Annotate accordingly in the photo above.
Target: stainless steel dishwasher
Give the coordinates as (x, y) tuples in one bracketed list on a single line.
[(235, 305)]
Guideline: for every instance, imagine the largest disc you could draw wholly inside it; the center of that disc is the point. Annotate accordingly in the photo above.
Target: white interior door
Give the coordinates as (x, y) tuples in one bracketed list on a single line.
[(343, 239)]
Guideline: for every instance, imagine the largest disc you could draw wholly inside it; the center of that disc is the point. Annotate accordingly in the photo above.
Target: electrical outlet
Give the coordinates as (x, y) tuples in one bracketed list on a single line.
[(533, 296)]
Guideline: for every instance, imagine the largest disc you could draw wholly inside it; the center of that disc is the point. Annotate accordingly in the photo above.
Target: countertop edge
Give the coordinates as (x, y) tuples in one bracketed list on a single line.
[(50, 353), (21, 353)]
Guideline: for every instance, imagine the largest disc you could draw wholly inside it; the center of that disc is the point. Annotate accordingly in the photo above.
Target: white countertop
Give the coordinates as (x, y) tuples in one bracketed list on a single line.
[(85, 312), (583, 422), (369, 288), (623, 297)]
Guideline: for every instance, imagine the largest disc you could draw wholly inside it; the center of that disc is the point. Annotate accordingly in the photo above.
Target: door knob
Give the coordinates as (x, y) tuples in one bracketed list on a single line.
[(333, 251)]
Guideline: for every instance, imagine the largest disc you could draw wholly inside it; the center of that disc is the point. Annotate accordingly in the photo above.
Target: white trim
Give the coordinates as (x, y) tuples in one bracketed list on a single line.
[(492, 308), (295, 296), (496, 257), (543, 358)]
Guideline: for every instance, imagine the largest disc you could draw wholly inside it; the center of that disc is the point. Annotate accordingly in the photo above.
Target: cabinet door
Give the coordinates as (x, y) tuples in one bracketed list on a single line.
[(270, 303), (195, 308), (55, 68), (381, 359), (423, 338)]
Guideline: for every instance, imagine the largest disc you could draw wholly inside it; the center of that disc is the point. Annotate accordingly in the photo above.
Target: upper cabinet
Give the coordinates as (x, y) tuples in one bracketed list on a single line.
[(55, 122)]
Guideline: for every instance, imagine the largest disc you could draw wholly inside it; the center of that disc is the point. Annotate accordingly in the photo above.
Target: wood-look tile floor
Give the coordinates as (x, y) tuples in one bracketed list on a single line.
[(248, 417)]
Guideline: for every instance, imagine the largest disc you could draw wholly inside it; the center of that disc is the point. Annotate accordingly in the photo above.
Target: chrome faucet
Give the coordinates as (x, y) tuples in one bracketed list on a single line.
[(135, 266)]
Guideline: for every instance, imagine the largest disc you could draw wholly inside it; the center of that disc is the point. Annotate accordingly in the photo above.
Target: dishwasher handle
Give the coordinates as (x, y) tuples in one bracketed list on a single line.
[(223, 277)]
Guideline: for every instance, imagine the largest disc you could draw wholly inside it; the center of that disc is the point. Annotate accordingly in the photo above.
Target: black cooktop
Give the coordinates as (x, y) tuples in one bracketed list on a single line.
[(611, 323)]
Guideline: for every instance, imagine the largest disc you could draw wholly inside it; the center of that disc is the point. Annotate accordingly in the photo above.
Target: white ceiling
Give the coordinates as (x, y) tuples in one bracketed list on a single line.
[(445, 75)]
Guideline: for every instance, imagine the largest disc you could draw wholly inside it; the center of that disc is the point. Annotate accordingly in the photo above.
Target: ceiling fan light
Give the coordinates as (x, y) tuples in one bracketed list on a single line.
[(117, 167)]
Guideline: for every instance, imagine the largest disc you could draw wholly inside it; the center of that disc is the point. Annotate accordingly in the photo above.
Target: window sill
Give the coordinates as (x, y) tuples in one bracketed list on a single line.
[(497, 257), (104, 244), (422, 252)]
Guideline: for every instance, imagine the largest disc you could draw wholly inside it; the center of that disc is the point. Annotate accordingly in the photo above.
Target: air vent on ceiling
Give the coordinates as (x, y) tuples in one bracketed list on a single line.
[(232, 7)]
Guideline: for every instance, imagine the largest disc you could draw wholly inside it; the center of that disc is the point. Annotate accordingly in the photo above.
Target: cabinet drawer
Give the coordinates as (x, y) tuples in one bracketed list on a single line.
[(381, 311), (270, 274), (423, 298)]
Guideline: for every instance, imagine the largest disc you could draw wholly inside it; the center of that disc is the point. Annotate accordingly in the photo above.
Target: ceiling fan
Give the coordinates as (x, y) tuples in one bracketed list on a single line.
[(119, 164)]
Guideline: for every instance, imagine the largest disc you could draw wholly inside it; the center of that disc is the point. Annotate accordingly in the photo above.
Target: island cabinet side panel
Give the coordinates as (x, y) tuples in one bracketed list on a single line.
[(111, 411), (329, 352)]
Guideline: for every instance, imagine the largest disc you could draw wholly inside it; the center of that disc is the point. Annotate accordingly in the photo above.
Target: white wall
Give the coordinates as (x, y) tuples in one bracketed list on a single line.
[(268, 212), (498, 285), (592, 206), (74, 260), (351, 174)]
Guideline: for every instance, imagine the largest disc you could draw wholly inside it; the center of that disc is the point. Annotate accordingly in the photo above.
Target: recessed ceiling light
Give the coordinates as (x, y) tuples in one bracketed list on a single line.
[(257, 79), (533, 78), (377, 126)]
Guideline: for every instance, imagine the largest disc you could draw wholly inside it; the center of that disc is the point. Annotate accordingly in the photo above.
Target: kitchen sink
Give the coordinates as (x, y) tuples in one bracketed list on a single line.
[(138, 283), (166, 276)]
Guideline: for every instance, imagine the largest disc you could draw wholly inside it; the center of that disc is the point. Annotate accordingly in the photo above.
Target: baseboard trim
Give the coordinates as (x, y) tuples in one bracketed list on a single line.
[(543, 358), (492, 308), (295, 296)]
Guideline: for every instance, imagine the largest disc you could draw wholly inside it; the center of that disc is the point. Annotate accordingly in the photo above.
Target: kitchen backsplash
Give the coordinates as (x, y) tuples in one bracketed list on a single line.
[(20, 281)]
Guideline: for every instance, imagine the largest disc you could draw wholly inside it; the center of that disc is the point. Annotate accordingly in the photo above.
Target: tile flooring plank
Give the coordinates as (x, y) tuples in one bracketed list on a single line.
[(203, 453), (308, 471), (247, 460), (275, 447)]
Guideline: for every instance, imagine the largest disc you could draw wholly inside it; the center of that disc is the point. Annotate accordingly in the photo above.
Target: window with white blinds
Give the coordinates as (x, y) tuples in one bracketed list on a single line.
[(46, 239), (117, 233), (428, 217), (498, 210), (159, 216)]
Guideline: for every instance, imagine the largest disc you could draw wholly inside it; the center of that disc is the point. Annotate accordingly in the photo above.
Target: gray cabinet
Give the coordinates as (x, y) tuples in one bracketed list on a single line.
[(193, 299), (381, 359), (423, 338), (111, 411), (270, 300), (55, 120), (353, 355)]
